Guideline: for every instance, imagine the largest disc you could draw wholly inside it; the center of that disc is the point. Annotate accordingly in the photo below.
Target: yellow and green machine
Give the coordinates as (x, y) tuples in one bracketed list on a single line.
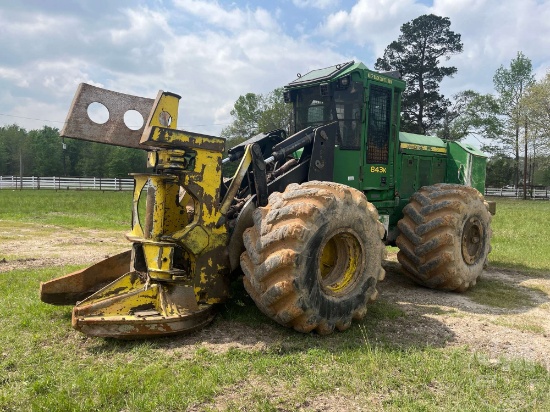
[(303, 221)]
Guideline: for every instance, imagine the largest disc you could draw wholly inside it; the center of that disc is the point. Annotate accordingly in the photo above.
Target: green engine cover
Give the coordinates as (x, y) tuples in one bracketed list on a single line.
[(466, 165)]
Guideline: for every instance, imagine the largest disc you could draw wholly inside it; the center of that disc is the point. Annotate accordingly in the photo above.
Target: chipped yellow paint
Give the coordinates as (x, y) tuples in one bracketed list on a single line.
[(163, 187), (168, 137), (119, 298), (172, 158), (175, 213), (139, 183), (159, 259), (166, 105)]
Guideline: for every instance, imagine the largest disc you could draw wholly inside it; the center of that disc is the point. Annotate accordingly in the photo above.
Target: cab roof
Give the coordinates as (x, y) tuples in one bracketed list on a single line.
[(342, 69), (326, 73)]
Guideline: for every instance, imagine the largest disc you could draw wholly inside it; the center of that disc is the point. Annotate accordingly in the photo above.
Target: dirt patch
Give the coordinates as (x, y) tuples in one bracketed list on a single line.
[(29, 246), (519, 332), (248, 392)]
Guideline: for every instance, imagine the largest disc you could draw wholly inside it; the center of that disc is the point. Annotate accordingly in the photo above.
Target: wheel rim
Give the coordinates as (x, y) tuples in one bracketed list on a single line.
[(340, 263), (472, 240)]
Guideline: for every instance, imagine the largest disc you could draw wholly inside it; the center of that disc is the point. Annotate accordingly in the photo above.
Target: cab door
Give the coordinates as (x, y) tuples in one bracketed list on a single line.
[(378, 151)]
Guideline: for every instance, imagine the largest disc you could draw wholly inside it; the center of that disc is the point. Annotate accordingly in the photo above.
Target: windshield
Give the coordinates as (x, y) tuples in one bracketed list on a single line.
[(312, 109)]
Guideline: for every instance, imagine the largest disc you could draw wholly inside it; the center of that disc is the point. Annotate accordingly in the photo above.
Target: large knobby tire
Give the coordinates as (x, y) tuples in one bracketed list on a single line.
[(445, 237), (314, 256)]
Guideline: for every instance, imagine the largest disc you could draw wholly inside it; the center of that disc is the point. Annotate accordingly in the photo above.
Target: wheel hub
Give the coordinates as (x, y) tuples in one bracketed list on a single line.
[(340, 262), (472, 240)]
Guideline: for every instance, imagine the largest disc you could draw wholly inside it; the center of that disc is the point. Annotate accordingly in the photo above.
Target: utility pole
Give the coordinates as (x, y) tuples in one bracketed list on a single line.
[(525, 167), (20, 168), (64, 147)]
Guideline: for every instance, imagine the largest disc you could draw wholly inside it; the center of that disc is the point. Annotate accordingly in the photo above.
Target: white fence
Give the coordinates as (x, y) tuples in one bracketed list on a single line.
[(532, 193), (66, 183), (97, 183)]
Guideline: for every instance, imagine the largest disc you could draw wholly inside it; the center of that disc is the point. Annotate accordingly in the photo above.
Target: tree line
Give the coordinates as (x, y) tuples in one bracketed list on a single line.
[(44, 153)]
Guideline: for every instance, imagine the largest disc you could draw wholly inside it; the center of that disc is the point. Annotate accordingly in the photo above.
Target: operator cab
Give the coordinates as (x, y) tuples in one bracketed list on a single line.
[(366, 105)]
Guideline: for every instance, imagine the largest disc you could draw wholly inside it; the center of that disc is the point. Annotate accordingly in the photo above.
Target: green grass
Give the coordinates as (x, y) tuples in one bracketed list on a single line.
[(521, 230), (86, 209), (500, 295), (521, 324), (45, 365)]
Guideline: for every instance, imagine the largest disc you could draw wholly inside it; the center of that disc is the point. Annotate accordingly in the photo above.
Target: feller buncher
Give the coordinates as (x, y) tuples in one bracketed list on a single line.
[(294, 217)]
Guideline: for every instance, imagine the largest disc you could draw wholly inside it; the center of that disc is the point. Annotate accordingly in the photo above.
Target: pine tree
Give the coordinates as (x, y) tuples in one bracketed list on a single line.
[(417, 55)]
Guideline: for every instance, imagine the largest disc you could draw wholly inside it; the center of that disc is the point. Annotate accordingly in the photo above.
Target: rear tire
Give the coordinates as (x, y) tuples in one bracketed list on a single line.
[(445, 237), (314, 256)]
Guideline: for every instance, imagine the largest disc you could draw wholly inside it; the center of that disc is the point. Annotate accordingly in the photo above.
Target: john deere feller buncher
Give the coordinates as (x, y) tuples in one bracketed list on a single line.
[(294, 217)]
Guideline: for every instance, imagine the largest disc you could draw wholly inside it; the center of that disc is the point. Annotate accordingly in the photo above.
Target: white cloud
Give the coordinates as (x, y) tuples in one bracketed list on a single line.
[(144, 26), (319, 4), (493, 31), (35, 114), (252, 60), (13, 75), (34, 24), (235, 19), (374, 23), (497, 29)]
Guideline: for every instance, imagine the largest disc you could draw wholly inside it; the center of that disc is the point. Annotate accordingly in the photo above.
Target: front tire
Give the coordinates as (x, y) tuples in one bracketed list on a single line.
[(314, 256), (445, 237)]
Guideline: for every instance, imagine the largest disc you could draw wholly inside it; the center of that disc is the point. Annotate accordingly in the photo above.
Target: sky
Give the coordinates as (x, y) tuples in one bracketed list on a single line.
[(211, 52)]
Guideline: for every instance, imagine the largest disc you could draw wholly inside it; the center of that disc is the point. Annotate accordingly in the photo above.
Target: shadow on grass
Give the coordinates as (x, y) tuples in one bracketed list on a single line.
[(240, 325), (522, 269), (497, 290), (404, 317)]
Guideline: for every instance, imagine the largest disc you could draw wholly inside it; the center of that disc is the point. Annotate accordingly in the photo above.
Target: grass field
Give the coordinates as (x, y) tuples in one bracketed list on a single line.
[(521, 235), (45, 365), (88, 209)]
